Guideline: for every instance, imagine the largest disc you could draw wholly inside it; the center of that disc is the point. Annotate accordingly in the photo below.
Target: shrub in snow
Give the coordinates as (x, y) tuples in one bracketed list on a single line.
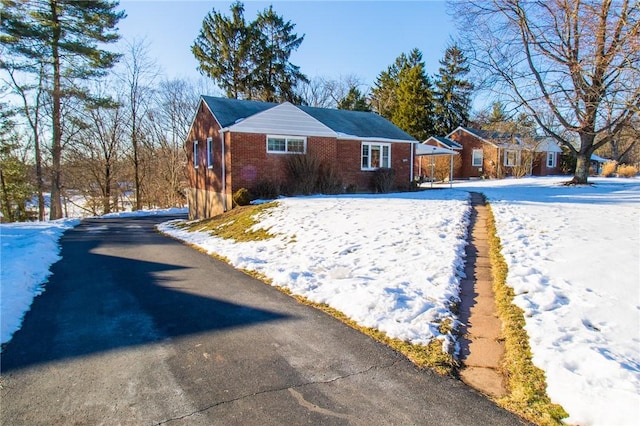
[(382, 180), (609, 169), (625, 170), (266, 190), (242, 197), (329, 181), (303, 173)]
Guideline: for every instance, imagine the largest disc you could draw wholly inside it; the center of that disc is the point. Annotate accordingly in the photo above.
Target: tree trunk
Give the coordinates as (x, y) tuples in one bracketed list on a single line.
[(106, 199), (583, 164), (583, 159), (55, 211), (5, 198)]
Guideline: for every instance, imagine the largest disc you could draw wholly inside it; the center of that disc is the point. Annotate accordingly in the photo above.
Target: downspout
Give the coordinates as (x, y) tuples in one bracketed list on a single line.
[(412, 160), (224, 173)]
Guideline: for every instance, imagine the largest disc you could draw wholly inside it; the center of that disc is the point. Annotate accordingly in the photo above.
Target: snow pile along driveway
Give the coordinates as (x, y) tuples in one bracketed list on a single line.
[(27, 252), (390, 261)]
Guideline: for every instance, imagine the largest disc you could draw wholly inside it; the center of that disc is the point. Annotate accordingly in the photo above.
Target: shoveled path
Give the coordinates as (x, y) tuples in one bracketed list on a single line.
[(481, 347), (135, 328)]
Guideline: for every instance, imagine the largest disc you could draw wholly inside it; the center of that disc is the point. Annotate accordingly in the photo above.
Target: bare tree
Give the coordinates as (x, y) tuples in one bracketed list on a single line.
[(573, 65), (97, 155), (325, 92), (31, 96), (167, 127), (140, 72)]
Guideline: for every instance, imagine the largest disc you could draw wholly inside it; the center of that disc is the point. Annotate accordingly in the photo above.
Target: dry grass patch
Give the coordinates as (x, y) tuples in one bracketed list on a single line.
[(237, 224), (526, 383)]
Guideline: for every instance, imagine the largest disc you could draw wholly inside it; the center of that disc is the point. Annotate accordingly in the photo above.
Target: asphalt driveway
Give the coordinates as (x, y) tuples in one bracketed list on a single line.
[(136, 328)]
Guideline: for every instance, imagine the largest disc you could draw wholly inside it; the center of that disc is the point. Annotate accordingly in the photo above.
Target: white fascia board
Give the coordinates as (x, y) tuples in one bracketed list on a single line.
[(342, 136), (283, 119)]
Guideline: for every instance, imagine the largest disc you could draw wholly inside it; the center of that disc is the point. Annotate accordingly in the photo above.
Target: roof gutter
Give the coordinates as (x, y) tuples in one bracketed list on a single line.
[(224, 173)]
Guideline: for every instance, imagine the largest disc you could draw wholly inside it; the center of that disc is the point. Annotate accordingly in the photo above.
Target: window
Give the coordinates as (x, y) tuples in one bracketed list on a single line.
[(286, 145), (195, 154), (476, 158), (209, 153), (375, 155), (551, 159), (511, 158)]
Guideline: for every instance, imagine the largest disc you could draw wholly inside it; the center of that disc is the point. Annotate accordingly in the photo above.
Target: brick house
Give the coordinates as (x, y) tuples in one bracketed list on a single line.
[(235, 144), (486, 153)]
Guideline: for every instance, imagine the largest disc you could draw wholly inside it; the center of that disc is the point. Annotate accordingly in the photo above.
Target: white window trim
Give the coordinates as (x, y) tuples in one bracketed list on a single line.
[(209, 153), (517, 158), (195, 154), (370, 144), (553, 157), (286, 144), (474, 163)]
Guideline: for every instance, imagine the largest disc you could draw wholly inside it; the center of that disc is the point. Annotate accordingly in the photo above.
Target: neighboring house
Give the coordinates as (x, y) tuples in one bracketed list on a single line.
[(235, 144), (443, 160), (596, 164), (492, 154)]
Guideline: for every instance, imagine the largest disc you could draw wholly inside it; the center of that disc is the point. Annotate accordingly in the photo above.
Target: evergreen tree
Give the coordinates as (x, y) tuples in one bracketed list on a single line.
[(275, 78), (453, 93), (354, 101), (383, 93), (404, 94), (64, 35), (223, 50), (15, 187), (250, 60)]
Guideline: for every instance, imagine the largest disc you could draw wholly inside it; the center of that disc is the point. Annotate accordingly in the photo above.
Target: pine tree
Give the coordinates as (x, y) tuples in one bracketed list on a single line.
[(223, 50), (250, 60), (276, 77), (354, 101), (453, 93), (404, 94), (63, 34), (383, 93)]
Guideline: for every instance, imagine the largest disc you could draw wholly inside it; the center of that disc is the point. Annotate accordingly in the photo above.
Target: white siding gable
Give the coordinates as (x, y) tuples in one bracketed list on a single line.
[(283, 119)]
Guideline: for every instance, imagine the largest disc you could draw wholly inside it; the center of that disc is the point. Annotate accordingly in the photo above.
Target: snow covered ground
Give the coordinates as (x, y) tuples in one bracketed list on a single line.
[(393, 262)]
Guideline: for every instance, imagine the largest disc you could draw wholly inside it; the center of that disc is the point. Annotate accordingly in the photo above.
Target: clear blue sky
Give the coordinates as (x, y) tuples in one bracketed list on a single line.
[(341, 37)]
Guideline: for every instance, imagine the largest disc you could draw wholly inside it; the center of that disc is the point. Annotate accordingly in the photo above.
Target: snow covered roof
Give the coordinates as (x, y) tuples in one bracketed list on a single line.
[(345, 124), (423, 149), (449, 143)]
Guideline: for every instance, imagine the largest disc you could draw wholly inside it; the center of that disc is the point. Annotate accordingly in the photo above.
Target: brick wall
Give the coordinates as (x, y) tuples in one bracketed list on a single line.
[(204, 178), (250, 162)]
